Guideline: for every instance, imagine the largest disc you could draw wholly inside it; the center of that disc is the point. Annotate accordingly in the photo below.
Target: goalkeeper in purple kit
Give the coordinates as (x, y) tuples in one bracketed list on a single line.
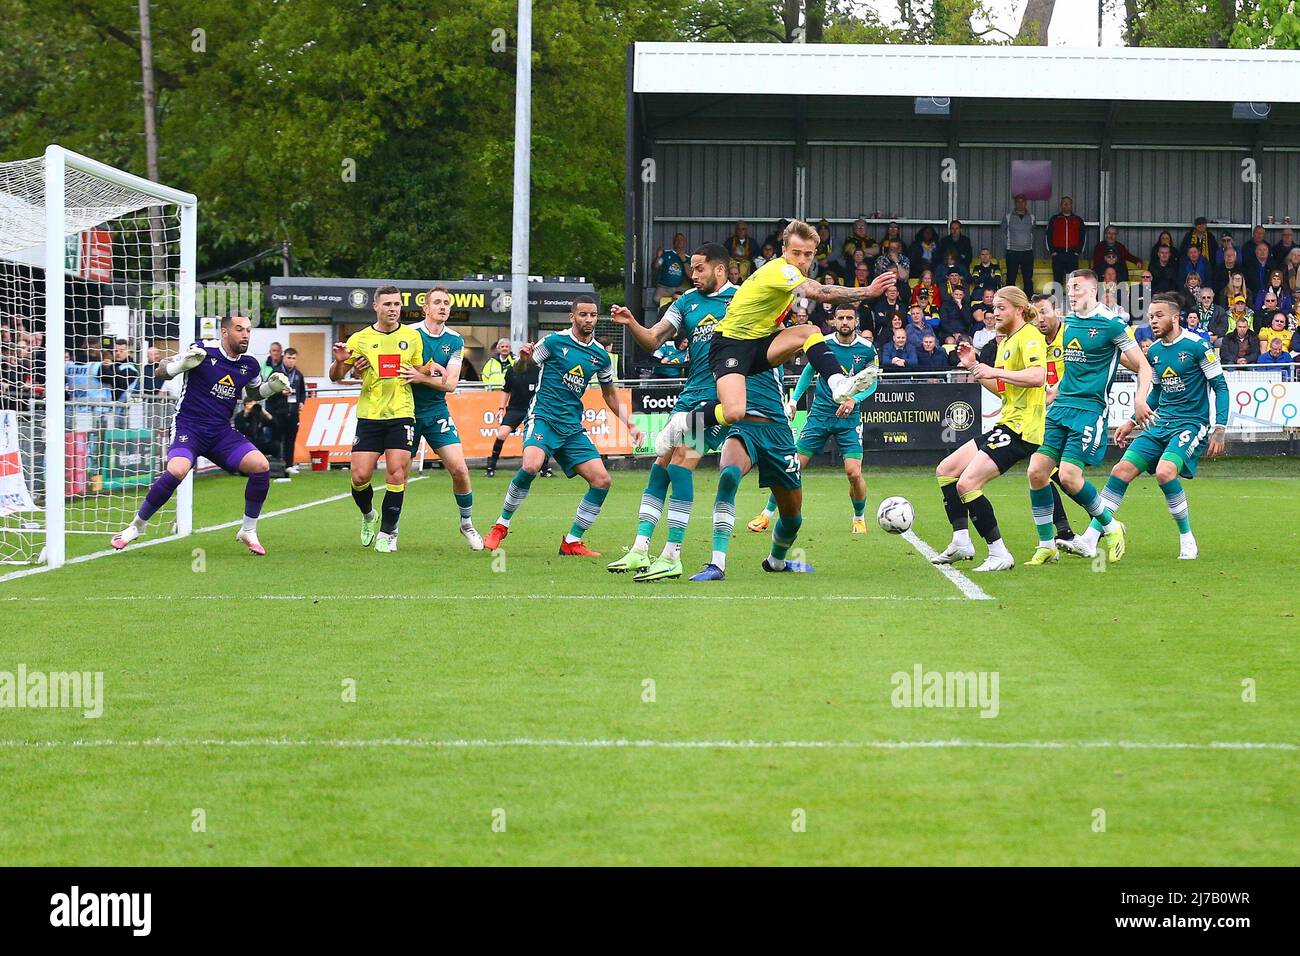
[(217, 377)]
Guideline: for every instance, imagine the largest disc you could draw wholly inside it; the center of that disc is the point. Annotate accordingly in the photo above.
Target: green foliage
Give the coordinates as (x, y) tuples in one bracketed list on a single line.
[(1271, 24)]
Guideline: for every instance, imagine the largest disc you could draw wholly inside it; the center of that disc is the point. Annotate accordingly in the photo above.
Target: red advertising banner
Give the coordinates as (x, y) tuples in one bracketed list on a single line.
[(329, 423)]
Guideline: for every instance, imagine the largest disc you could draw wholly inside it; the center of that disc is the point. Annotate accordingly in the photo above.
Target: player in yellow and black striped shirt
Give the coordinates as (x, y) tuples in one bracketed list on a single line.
[(383, 355), (1017, 377)]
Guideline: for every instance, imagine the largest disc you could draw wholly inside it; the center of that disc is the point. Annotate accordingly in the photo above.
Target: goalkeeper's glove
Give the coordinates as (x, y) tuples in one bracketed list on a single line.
[(276, 384), (192, 357)]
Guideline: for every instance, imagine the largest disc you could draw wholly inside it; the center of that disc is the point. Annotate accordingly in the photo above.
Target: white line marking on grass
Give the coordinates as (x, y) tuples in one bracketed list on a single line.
[(618, 743), (964, 584), (82, 558), (481, 597)]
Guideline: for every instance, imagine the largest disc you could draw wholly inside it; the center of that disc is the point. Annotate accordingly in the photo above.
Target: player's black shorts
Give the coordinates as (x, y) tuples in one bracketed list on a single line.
[(514, 417), (739, 356), (384, 434), (1005, 447)]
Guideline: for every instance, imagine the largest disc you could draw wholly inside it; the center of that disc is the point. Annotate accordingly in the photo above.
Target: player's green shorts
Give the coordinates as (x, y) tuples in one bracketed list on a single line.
[(1074, 435), (1180, 443), (847, 433), (713, 437), (437, 427), (569, 451), (770, 445)]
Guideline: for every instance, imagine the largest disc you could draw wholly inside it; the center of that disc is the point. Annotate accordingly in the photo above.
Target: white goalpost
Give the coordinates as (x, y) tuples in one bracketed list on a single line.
[(96, 271)]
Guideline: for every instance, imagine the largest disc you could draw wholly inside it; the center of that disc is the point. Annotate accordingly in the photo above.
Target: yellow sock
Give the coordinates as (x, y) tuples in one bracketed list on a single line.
[(392, 487), (813, 340), (945, 480), (971, 496), (719, 414)]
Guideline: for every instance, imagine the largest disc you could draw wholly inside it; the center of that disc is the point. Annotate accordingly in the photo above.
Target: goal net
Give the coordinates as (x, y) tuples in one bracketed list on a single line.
[(96, 285)]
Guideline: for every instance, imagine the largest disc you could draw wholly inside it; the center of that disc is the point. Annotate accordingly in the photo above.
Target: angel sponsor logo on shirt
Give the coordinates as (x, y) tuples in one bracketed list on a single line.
[(575, 379), (224, 387)]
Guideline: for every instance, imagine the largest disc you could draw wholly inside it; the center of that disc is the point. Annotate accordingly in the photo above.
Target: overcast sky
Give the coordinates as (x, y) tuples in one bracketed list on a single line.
[(1074, 22)]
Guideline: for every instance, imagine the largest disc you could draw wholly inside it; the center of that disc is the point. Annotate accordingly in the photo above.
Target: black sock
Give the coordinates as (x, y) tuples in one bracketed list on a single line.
[(391, 509), (953, 505), (365, 498), (546, 463), (1059, 517), (823, 360), (986, 522), (496, 453)]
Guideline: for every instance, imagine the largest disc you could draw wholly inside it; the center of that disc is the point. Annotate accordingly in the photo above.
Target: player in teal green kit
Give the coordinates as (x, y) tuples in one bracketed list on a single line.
[(569, 361), (693, 317), (1096, 342), (1186, 370), (430, 386), (761, 438), (830, 420)]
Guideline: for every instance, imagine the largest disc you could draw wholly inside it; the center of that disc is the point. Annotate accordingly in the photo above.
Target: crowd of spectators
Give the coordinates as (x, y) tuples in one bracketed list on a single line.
[(1240, 299)]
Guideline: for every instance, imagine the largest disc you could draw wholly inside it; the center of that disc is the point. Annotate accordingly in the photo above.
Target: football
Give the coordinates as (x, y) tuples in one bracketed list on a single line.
[(895, 515)]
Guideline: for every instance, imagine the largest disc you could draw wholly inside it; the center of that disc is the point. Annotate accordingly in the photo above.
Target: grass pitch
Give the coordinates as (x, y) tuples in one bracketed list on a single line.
[(503, 709)]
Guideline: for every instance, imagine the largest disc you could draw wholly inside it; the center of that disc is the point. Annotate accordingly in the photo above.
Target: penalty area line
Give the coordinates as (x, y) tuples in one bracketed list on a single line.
[(94, 555), (641, 744), (964, 584), (603, 598)]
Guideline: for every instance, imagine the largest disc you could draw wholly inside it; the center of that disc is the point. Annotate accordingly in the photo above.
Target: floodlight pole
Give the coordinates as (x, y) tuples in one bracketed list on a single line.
[(523, 151)]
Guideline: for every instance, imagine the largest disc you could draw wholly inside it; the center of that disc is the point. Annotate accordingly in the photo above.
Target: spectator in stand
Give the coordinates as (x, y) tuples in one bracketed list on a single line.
[(1065, 240), (1276, 329), (861, 276), (958, 243), (988, 300), (1164, 271), (1277, 286), (774, 238), (1110, 240), (1264, 316), (1240, 347), (955, 317), (950, 270), (1143, 335), (670, 267), (1110, 260), (987, 330), (496, 366), (274, 356), (1226, 267), (1214, 318), (930, 310), (822, 256), (1192, 326), (468, 371), (893, 258), (1257, 268), (989, 353), (917, 326), (148, 383), (927, 287), (767, 254), (1277, 355), (1195, 262), (286, 407), (892, 231), (898, 355), (1225, 244), (1291, 270), (1140, 299), (985, 274), (733, 273), (1165, 238), (885, 307), (1282, 248), (1198, 237), (741, 249), (856, 240), (925, 248), (120, 374), (1235, 291), (1018, 227), (254, 423), (1192, 286), (931, 358)]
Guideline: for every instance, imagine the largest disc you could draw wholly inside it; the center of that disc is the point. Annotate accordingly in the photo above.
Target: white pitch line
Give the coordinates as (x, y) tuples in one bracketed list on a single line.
[(171, 598), (622, 743), (964, 584), (150, 542)]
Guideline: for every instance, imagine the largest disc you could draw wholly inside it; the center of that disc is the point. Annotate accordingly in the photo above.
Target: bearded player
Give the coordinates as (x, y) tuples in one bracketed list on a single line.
[(217, 376)]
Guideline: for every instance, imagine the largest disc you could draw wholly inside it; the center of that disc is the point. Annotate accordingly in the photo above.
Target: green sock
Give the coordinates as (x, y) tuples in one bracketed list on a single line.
[(516, 494), (724, 508), (770, 509), (1088, 499), (1176, 499), (588, 511), (680, 502), (1112, 496), (465, 503), (859, 506), (652, 500), (1040, 502), (783, 535)]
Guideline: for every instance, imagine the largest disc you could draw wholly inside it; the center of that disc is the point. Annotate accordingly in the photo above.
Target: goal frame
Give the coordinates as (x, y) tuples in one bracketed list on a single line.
[(58, 161)]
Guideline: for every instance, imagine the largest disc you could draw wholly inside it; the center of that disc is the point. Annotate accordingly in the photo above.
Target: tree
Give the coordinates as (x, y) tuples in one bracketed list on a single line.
[(1271, 24)]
